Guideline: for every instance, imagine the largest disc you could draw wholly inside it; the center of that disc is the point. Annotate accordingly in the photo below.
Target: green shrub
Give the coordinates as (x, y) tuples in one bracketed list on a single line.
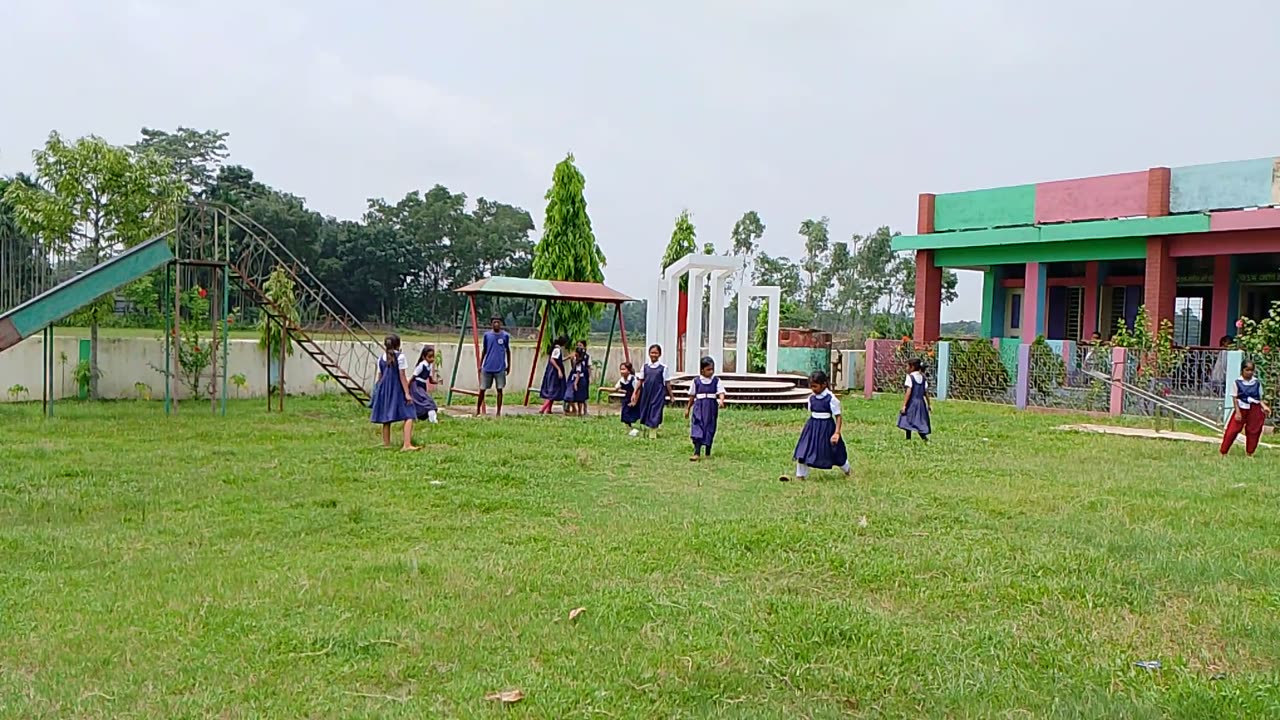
[(977, 372), (1048, 372)]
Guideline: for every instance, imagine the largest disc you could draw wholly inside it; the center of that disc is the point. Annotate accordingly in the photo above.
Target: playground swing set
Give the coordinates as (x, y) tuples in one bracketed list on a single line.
[(548, 291)]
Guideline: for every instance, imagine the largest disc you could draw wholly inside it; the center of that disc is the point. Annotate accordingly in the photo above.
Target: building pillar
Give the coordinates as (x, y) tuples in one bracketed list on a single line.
[(1158, 180), (992, 295), (1089, 321), (1220, 324), (1034, 301), (928, 298), (1160, 286)]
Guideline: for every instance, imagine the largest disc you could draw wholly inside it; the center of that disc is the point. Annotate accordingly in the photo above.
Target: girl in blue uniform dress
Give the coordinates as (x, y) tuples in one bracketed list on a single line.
[(571, 385), (583, 392), (915, 403), (391, 402), (424, 375), (655, 391), (553, 378), (821, 444), (630, 398), (706, 397)]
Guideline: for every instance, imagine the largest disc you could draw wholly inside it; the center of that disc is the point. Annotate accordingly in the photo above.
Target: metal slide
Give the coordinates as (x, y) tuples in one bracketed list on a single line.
[(60, 301), (1155, 399)]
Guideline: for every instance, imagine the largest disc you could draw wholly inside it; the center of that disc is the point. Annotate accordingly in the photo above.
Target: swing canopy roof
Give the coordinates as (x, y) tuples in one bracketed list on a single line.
[(563, 290)]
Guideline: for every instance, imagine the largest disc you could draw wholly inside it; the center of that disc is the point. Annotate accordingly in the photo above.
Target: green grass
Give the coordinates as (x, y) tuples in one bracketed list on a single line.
[(282, 566)]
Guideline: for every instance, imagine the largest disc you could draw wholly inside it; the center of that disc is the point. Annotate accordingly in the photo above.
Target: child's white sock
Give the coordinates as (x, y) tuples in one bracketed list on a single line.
[(802, 470), (431, 416), (846, 468)]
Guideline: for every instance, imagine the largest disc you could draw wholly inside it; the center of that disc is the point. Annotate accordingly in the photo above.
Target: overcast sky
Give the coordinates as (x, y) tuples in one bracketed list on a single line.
[(794, 108)]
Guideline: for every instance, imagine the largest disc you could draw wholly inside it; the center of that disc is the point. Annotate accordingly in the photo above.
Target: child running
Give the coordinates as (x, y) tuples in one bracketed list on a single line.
[(655, 391), (553, 379), (1250, 412), (391, 401), (821, 444), (914, 416), (706, 397), (424, 376), (630, 398)]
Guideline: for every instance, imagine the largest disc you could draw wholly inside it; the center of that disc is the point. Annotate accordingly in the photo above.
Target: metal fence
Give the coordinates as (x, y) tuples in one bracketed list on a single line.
[(975, 371), (889, 360), (1060, 377), (1197, 381)]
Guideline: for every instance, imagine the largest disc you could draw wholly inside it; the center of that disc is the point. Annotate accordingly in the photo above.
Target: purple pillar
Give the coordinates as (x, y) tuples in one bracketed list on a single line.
[(1024, 376)]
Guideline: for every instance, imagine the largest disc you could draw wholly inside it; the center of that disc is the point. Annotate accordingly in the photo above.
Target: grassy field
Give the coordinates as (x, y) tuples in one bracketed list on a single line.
[(268, 566)]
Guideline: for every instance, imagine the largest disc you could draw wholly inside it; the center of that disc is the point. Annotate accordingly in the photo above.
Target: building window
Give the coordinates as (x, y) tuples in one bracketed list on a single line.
[(1015, 310), (1188, 312), (1075, 312)]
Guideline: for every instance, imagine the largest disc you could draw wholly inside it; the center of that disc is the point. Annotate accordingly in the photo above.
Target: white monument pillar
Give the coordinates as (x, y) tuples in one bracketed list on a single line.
[(715, 332), (693, 329)]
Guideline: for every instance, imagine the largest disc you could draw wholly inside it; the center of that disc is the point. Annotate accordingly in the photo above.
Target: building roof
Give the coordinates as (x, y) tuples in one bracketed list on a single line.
[(545, 289)]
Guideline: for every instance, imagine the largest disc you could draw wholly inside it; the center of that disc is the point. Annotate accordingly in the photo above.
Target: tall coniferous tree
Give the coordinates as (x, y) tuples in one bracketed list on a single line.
[(568, 250)]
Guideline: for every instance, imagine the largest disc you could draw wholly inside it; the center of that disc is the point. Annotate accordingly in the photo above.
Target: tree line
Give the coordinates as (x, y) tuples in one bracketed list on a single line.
[(855, 288)]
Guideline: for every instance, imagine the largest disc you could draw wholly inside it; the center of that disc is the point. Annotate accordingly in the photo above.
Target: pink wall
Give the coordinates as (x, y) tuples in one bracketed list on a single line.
[(1245, 219), (1095, 198), (1240, 242)]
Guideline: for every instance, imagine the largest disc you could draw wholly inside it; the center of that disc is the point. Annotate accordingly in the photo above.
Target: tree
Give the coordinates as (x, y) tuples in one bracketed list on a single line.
[(817, 241), (746, 235), (683, 242), (26, 270), (90, 199), (196, 155), (780, 271), (279, 289), (568, 250)]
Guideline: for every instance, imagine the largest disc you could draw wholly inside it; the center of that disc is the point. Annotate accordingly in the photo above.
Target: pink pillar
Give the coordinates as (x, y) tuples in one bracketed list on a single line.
[(1089, 324), (1220, 320), (869, 370), (1118, 360), (1033, 302)]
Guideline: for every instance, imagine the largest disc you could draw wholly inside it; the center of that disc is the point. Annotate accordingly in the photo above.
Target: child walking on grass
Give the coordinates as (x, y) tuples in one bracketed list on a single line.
[(553, 378), (655, 391), (706, 397), (914, 416), (392, 402), (1250, 412), (627, 384), (821, 444), (424, 376)]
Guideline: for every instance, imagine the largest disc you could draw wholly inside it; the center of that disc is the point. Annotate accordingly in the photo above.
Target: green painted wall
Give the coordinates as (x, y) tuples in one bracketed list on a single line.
[(1009, 355), (979, 209), (969, 238), (1133, 227), (1079, 251), (90, 285), (803, 360)]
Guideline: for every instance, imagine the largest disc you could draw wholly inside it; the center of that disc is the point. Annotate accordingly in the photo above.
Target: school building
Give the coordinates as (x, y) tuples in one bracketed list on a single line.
[(1197, 245)]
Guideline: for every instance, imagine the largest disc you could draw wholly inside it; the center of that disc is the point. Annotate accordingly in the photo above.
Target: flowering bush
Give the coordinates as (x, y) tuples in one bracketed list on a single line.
[(1157, 358), (1260, 342)]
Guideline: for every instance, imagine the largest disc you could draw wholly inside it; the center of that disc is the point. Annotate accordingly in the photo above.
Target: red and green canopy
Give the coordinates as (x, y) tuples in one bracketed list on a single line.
[(545, 290)]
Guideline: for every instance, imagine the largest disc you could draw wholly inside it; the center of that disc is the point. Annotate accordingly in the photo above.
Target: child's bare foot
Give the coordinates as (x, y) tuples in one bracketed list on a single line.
[(695, 458), (410, 448)]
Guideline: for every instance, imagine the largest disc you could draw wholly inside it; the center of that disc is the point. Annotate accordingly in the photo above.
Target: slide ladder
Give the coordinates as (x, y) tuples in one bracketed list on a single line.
[(322, 327)]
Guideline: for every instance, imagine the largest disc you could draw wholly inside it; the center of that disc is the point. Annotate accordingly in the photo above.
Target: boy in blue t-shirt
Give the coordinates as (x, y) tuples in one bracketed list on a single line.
[(495, 361)]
